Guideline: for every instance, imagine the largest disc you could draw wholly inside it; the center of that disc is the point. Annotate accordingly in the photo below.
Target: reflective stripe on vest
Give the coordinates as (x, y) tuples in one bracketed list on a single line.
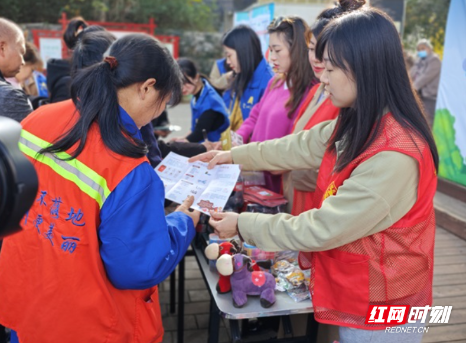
[(73, 170)]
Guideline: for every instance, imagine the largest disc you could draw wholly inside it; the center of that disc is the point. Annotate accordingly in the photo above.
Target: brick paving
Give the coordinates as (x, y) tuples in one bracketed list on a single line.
[(196, 309)]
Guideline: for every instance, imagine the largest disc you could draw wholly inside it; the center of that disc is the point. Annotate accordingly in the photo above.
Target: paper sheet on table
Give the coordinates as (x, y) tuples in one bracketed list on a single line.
[(210, 188)]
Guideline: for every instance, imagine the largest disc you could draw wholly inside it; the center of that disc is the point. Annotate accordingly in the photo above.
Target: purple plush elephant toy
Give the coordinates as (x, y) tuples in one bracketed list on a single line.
[(244, 281)]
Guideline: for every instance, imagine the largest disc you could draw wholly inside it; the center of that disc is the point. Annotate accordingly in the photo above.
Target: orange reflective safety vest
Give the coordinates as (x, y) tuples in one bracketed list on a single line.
[(304, 201), (53, 284), (392, 267)]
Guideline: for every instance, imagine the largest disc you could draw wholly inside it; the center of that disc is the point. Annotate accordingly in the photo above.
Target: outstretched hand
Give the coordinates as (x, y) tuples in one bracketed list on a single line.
[(213, 157), (225, 224), (212, 145), (184, 207)]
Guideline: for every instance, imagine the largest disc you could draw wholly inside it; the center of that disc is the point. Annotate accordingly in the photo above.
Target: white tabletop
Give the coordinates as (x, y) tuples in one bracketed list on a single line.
[(253, 309)]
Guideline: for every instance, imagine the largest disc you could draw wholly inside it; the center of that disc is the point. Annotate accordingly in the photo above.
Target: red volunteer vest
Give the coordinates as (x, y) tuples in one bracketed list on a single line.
[(392, 267), (53, 284), (303, 201)]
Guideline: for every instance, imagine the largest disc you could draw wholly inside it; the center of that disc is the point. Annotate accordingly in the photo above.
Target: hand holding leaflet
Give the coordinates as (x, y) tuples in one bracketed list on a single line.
[(211, 188), (213, 157)]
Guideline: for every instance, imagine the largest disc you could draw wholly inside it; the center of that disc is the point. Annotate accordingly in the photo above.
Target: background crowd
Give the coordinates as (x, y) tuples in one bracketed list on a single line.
[(299, 100)]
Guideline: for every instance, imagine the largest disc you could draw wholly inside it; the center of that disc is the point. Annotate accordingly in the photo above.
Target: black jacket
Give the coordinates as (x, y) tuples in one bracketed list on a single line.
[(58, 79)]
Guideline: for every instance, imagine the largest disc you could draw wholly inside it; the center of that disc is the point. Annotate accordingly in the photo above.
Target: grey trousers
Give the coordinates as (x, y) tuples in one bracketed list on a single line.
[(429, 109), (414, 335)]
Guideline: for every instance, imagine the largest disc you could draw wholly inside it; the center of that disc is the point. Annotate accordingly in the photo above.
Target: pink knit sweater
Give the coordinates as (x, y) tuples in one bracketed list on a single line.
[(269, 120)]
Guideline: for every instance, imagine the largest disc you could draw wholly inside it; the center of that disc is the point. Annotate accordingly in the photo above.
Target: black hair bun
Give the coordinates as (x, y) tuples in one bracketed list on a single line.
[(351, 5), (71, 34)]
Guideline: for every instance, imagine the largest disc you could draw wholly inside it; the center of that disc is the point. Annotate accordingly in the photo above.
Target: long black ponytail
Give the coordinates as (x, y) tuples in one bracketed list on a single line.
[(94, 93)]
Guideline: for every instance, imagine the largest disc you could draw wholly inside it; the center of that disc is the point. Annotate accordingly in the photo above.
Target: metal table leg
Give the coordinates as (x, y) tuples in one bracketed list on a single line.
[(214, 322), (287, 327), (173, 292), (312, 327), (235, 332), (181, 301)]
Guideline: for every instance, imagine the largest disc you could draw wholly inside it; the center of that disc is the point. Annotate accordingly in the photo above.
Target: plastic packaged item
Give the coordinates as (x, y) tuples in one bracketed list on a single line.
[(295, 277), (257, 254), (253, 178), (287, 255), (307, 277), (299, 293), (256, 208), (281, 283), (263, 196), (289, 277)]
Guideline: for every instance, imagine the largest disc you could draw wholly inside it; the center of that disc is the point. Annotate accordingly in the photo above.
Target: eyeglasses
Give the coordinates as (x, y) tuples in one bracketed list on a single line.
[(277, 21)]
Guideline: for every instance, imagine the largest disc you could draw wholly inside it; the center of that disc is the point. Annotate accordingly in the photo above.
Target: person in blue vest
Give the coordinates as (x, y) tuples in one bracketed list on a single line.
[(251, 74), (209, 113), (221, 65), (41, 83)]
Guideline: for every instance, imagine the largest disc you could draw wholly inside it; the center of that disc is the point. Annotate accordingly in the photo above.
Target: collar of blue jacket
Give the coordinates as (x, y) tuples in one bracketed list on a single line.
[(262, 68), (129, 124), (254, 90)]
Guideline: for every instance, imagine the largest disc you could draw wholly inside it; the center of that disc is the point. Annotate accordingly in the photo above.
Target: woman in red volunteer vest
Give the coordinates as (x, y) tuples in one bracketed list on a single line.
[(96, 242), (370, 240), (299, 185)]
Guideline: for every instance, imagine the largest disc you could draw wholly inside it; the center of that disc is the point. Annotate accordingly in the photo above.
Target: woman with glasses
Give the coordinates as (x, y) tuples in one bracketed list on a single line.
[(274, 115)]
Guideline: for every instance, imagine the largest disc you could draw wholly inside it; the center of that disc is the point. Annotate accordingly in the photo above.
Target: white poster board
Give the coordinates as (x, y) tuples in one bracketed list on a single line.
[(258, 19), (450, 119), (50, 48)]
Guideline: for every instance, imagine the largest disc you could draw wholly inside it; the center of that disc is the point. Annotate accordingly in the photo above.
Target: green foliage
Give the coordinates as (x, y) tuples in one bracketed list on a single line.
[(32, 11), (168, 14), (176, 14), (10, 9), (452, 165), (426, 19)]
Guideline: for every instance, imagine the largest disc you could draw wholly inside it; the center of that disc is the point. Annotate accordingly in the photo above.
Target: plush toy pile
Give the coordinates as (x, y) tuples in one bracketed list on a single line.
[(240, 274)]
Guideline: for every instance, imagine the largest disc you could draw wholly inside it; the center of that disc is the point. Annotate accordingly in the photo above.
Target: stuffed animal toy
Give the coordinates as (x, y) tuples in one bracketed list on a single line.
[(213, 252), (244, 281)]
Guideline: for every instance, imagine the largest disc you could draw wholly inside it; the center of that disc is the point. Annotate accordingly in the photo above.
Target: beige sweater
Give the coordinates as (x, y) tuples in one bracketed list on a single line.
[(379, 192), (303, 180)]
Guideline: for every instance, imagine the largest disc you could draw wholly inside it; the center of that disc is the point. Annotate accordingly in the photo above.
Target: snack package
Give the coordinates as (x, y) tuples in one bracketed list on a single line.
[(290, 256), (289, 277), (282, 268), (281, 283), (295, 277), (299, 293)]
